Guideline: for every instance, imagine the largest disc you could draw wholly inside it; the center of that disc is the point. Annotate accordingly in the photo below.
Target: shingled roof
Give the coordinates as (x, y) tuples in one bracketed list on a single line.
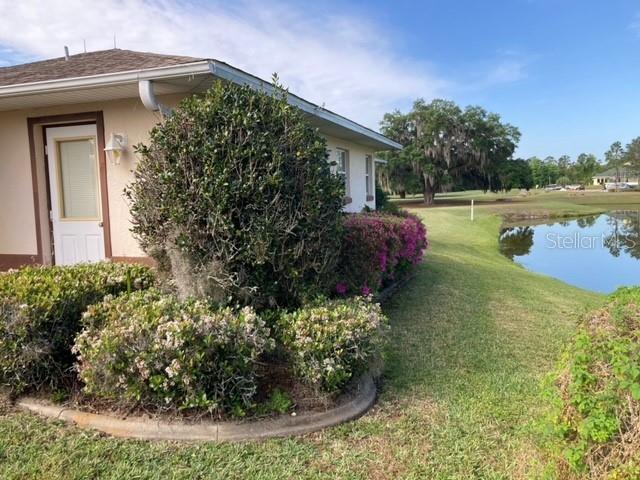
[(87, 64), (112, 74), (623, 171)]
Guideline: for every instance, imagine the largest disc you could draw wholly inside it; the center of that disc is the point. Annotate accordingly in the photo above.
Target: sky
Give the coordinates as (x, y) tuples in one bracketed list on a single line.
[(565, 72)]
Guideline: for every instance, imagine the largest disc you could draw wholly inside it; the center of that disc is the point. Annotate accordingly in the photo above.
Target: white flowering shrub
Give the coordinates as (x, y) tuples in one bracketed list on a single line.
[(151, 349), (40, 312), (330, 342)]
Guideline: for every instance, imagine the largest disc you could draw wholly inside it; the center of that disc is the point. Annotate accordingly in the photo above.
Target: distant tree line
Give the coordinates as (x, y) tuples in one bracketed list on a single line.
[(564, 170), (448, 148)]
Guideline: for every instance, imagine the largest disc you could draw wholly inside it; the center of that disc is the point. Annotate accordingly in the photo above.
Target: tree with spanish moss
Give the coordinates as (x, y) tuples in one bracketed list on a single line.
[(445, 142), (398, 174)]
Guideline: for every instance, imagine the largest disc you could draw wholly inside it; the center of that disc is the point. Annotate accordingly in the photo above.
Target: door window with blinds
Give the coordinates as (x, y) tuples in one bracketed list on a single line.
[(342, 167), (78, 179)]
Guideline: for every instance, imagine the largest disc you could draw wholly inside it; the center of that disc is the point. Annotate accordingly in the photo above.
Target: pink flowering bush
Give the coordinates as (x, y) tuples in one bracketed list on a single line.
[(151, 349), (331, 341), (378, 248)]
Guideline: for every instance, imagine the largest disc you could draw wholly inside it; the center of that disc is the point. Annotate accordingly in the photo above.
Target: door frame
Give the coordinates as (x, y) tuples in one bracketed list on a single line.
[(67, 120), (83, 227)]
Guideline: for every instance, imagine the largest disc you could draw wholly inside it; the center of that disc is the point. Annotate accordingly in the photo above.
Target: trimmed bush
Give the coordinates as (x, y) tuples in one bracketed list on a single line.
[(151, 349), (332, 341), (234, 198), (383, 204), (40, 311), (597, 393), (378, 248)]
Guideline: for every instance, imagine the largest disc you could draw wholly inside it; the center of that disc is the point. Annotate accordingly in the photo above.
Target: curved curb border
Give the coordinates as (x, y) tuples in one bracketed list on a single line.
[(388, 292), (361, 400)]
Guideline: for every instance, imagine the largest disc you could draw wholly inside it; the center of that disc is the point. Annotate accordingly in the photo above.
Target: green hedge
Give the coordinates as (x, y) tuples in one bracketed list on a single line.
[(596, 391), (152, 349), (330, 342), (40, 312), (234, 198)]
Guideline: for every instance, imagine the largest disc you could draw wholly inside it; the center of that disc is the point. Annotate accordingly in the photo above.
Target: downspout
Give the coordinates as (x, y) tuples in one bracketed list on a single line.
[(149, 100)]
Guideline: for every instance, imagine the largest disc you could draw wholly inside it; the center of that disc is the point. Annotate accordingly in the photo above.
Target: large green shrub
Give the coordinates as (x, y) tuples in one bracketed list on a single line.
[(151, 349), (40, 311), (330, 342), (597, 393), (234, 197)]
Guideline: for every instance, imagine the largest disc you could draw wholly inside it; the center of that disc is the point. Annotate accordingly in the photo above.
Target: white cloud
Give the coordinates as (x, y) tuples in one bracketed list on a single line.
[(506, 66), (506, 71), (342, 61)]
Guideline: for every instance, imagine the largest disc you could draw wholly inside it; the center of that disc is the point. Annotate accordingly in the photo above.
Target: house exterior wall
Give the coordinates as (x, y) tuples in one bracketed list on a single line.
[(17, 221), (625, 177), (17, 214), (128, 116), (357, 186)]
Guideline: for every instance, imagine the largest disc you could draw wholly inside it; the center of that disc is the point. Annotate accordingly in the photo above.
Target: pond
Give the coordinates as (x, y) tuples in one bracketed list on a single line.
[(599, 253)]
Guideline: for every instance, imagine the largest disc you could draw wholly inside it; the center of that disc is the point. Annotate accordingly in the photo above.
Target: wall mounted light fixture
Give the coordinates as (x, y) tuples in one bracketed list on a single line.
[(115, 147)]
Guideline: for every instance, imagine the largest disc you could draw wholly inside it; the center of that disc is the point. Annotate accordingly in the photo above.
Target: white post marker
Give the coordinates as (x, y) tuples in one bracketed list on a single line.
[(472, 210)]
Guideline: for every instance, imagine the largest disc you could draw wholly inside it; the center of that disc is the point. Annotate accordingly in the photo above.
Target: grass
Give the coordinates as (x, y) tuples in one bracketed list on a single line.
[(472, 336), (536, 202)]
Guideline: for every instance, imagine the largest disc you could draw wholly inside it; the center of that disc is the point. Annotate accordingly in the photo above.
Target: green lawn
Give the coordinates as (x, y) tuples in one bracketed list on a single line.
[(472, 336), (556, 203)]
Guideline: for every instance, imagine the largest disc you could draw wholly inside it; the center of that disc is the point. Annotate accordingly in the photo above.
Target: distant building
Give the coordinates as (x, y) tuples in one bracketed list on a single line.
[(612, 176)]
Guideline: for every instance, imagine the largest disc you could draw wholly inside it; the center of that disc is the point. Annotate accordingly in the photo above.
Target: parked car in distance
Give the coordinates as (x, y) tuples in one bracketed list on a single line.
[(617, 187), (575, 187), (552, 188)]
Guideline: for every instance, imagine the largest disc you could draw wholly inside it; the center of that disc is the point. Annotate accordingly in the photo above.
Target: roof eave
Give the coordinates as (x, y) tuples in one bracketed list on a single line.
[(223, 70), (106, 79), (202, 67)]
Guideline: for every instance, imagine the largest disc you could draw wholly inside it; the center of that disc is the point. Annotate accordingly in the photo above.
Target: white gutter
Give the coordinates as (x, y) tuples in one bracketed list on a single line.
[(201, 67), (149, 100), (106, 79)]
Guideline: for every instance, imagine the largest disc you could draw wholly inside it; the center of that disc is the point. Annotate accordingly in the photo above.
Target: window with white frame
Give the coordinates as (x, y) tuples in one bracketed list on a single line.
[(368, 174), (342, 167)]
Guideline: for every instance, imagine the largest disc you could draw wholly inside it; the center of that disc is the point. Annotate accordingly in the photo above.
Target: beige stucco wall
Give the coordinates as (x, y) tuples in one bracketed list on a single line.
[(17, 217), (17, 223), (131, 118)]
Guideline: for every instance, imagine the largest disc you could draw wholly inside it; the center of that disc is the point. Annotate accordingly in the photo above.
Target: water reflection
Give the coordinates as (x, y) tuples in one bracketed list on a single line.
[(516, 241), (599, 252), (586, 222), (625, 234)]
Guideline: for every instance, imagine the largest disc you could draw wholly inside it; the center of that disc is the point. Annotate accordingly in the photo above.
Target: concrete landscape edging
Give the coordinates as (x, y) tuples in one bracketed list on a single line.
[(388, 292), (352, 407)]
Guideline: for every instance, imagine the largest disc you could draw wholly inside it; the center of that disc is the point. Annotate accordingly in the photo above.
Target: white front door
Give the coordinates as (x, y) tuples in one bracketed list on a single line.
[(74, 186)]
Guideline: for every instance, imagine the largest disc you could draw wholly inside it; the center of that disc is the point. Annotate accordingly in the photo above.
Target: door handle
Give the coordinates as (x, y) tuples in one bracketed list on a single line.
[(100, 224)]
